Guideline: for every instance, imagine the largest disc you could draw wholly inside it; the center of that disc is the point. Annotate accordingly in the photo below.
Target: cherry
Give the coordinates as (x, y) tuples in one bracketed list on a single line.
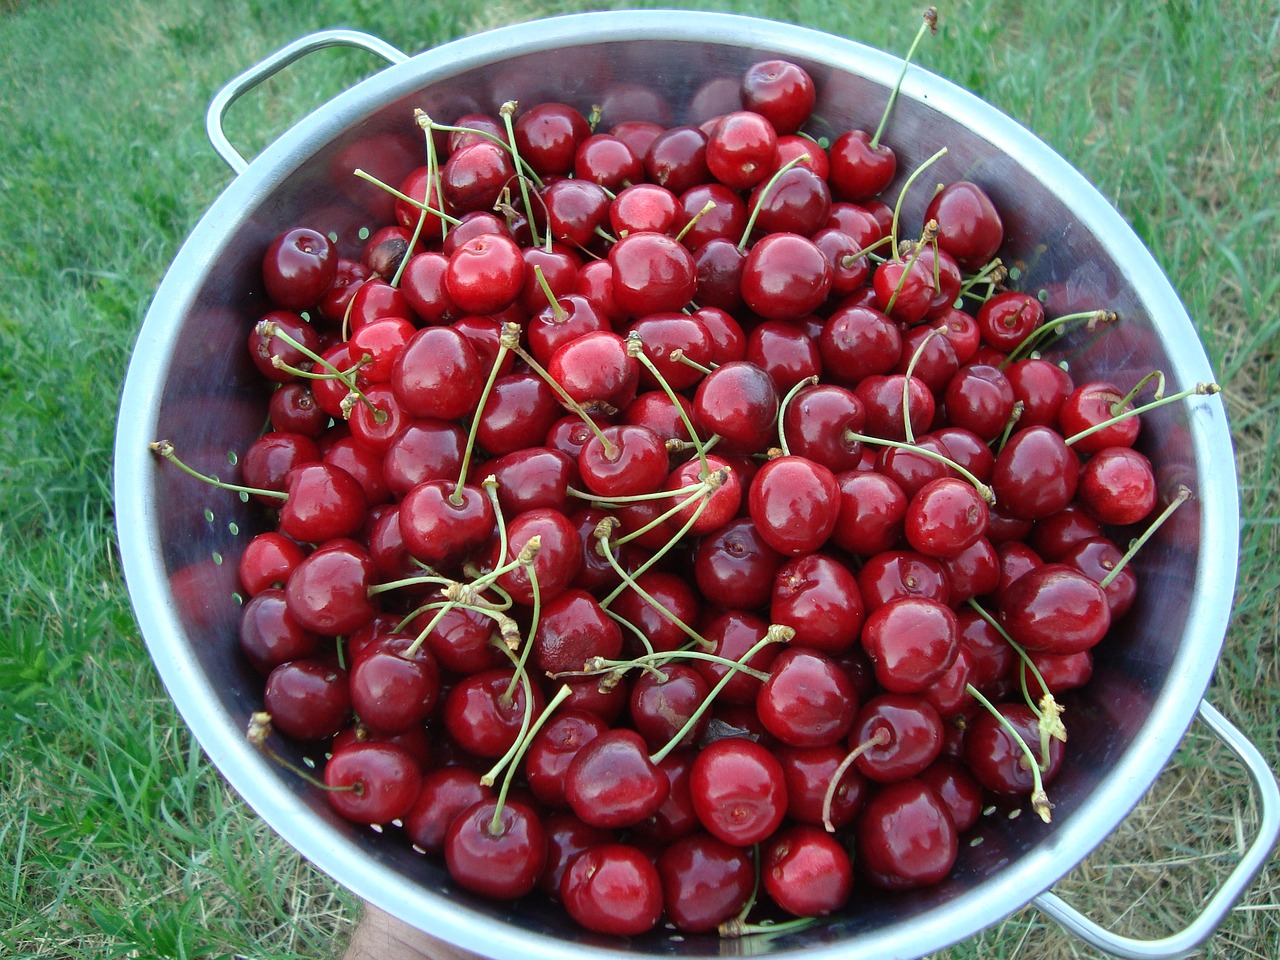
[(484, 712), (372, 781), (298, 268), (794, 503), (1094, 403), (732, 634), (1056, 535), (781, 91), (613, 888), (307, 698), (485, 274), (443, 523), (818, 597), (375, 299), (739, 791), (894, 574), (861, 167), (858, 341), (1097, 558), (808, 701), (269, 460), (1035, 474), (575, 210), (558, 265), (332, 306), (664, 703), (737, 402), (1007, 318), (423, 450), (293, 409), (663, 333), (882, 401), (474, 176), (784, 351), (438, 374), (267, 561), (445, 793), (806, 871), (547, 136), (651, 273), (705, 881), (741, 149), (998, 761), (461, 640), (520, 407), (969, 226), (718, 267), (899, 736), (328, 592), (607, 161), (974, 571), (394, 685), (291, 348), (557, 560), (572, 629), (795, 200), (809, 773), (496, 850), (634, 462), (911, 641), (905, 837), (531, 478), (1117, 486), (709, 211), (643, 208), (818, 422), (871, 512), (612, 782), (677, 159), (785, 277), (1055, 608), (1041, 387), (735, 567), (946, 517)]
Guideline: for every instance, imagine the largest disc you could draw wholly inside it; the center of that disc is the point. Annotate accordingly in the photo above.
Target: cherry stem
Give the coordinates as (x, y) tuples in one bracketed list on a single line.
[(850, 259), (1015, 415), (257, 732), (1117, 408), (737, 927), (777, 633), (1199, 390), (507, 111), (521, 665), (1017, 648), (493, 138), (511, 336), (1039, 799), (782, 410), (602, 532), (931, 24), (268, 329), (455, 498), (635, 348), (928, 236), (991, 274), (902, 195), (598, 665), (490, 486), (880, 738), (613, 502), (764, 193), (417, 204), (622, 621), (433, 160), (1094, 317), (984, 490), (1182, 496), (679, 356), (906, 379), (557, 311), (164, 448), (706, 208)]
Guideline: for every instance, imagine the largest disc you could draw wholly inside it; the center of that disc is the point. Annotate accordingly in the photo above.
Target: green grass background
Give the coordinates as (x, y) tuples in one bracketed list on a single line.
[(117, 837)]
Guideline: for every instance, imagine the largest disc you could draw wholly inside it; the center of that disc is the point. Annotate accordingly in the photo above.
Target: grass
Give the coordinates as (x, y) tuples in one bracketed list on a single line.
[(117, 837)]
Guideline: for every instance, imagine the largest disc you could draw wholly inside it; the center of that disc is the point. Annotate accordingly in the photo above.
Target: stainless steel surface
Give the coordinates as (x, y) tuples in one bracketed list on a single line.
[(239, 86), (189, 381), (1195, 931)]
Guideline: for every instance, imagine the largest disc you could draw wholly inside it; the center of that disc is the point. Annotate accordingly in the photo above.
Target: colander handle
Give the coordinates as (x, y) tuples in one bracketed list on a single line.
[(1217, 907), (272, 65)]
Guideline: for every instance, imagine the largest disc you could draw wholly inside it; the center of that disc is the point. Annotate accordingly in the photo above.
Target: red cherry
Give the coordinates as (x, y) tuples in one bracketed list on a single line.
[(484, 712), (705, 881), (860, 169), (741, 149), (677, 159), (808, 701), (809, 771), (445, 793), (734, 567), (307, 698), (298, 268), (818, 597), (905, 837), (782, 91), (547, 136), (328, 592), (998, 762), (501, 859), (785, 277), (1006, 319), (613, 888), (607, 161), (806, 871), (1118, 486), (552, 750), (946, 517), (794, 503), (739, 791), (1055, 608), (969, 226), (651, 273), (613, 783), (1035, 474), (904, 734), (871, 513), (391, 691), (911, 642)]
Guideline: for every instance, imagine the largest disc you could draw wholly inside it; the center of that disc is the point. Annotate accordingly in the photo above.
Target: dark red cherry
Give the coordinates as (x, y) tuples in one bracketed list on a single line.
[(634, 462), (677, 159), (969, 226), (484, 712), (945, 517), (734, 567), (445, 793), (572, 629), (613, 888), (1090, 405), (1041, 387), (806, 871), (794, 503), (705, 881), (817, 596), (781, 91), (663, 704), (651, 273), (860, 169), (607, 161), (893, 574), (871, 513), (785, 277), (980, 398), (905, 733), (905, 837), (443, 524), (998, 762), (498, 857), (739, 403), (1097, 557), (378, 781), (1055, 608), (911, 641), (808, 701), (1117, 486), (786, 351), (643, 208), (392, 691), (858, 341), (567, 836), (328, 592), (809, 771), (298, 268), (741, 149), (1035, 474), (474, 176), (796, 200), (613, 783), (307, 698), (1006, 319), (552, 750), (547, 136), (739, 791), (732, 634)]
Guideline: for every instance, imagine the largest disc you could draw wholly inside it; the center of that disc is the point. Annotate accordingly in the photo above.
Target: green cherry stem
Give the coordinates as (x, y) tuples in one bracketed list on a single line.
[(902, 196), (165, 450), (635, 348), (1049, 327), (906, 378), (984, 490), (1039, 799), (456, 497), (1199, 390), (260, 729), (878, 739), (1182, 496), (507, 111), (764, 193), (931, 24), (399, 195)]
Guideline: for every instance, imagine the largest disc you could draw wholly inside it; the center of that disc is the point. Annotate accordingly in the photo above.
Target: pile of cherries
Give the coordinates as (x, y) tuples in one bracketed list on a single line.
[(656, 526)]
